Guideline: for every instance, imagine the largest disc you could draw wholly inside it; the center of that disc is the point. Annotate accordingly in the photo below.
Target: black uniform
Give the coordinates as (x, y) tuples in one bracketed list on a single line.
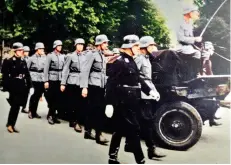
[(17, 81), (124, 84)]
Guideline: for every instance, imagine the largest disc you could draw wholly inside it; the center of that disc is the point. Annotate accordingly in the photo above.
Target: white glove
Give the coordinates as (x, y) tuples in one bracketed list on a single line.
[(198, 39), (31, 91), (109, 111), (155, 95)]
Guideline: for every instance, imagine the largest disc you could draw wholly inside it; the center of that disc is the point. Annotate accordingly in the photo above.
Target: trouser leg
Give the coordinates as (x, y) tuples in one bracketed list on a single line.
[(54, 98), (14, 110), (146, 122), (34, 100)]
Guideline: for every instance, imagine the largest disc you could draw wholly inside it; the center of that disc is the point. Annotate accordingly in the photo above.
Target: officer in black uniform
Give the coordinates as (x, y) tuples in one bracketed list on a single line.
[(17, 82), (36, 65), (26, 51), (125, 83)]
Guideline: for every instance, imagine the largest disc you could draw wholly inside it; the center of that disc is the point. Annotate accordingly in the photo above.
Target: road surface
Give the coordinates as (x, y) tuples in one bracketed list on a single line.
[(39, 142)]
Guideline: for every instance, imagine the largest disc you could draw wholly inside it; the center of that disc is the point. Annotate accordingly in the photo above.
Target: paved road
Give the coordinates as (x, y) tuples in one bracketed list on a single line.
[(39, 142)]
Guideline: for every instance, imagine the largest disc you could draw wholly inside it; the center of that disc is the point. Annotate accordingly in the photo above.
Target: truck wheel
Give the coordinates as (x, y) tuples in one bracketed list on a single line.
[(178, 125)]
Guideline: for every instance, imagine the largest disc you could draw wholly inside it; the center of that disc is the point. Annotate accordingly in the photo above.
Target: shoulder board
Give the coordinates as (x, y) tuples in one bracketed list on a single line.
[(118, 57), (9, 56)]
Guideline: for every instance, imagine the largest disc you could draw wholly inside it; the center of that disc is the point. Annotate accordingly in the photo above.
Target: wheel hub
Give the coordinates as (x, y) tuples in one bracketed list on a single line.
[(176, 125)]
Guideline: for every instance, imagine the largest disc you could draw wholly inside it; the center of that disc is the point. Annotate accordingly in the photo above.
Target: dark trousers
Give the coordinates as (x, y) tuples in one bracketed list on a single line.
[(127, 125), (53, 96), (95, 116), (75, 103), (34, 100), (146, 120)]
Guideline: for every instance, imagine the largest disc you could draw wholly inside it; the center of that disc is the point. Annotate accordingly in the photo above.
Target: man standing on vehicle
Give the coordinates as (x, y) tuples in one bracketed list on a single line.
[(187, 40), (185, 34)]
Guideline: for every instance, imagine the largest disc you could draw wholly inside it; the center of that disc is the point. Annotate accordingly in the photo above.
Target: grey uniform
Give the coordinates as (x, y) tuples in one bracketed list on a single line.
[(53, 67), (186, 39), (73, 73), (145, 67), (26, 58), (96, 68), (36, 64)]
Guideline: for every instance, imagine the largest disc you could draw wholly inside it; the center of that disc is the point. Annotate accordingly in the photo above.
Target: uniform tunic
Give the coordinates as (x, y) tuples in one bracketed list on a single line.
[(53, 67), (74, 78), (73, 70), (96, 68), (53, 74), (145, 67), (36, 64), (186, 39)]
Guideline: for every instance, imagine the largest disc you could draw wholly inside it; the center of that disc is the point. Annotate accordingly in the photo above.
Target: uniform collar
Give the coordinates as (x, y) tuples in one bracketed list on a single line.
[(126, 56), (37, 55), (78, 53), (56, 53)]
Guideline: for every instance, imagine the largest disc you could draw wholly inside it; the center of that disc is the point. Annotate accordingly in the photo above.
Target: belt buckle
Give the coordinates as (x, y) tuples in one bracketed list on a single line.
[(20, 76)]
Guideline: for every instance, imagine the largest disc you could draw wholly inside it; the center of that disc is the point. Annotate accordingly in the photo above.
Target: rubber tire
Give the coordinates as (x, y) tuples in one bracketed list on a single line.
[(195, 118)]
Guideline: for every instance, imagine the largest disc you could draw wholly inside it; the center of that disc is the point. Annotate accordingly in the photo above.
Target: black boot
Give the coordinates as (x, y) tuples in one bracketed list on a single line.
[(217, 118), (56, 120), (71, 124), (24, 111), (113, 157), (128, 148), (89, 135), (37, 116), (214, 123), (152, 153), (51, 120), (100, 139)]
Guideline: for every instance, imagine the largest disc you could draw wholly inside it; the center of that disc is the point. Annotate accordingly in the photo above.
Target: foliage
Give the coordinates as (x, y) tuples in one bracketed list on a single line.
[(48, 20)]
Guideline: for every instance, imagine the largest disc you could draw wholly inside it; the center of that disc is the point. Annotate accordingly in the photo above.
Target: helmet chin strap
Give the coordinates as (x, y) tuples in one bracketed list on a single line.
[(132, 51)]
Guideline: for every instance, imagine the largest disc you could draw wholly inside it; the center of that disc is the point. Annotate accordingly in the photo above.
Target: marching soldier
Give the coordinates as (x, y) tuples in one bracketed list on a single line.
[(96, 69), (18, 82), (124, 80), (74, 84), (52, 78), (26, 51), (145, 115), (36, 65)]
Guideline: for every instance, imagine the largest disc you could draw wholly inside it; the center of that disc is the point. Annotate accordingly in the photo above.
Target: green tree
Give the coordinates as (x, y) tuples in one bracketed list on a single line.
[(48, 20)]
